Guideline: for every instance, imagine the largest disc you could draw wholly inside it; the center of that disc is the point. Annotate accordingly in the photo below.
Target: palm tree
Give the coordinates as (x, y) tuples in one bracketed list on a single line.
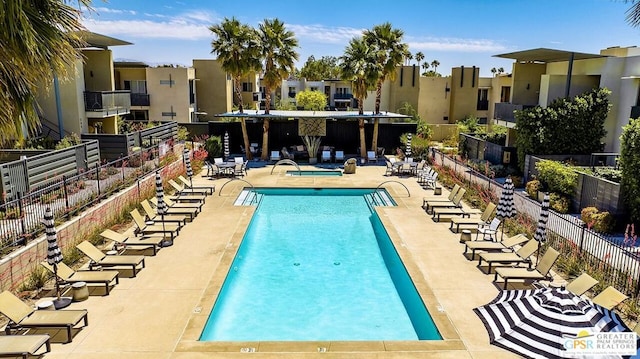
[(435, 64), (408, 57), (40, 40), (633, 13), (277, 45), (359, 66), (389, 50), (419, 58), (236, 47), (425, 66), (494, 71)]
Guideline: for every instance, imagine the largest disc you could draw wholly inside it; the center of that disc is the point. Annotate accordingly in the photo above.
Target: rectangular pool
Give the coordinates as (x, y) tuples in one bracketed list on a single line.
[(317, 264)]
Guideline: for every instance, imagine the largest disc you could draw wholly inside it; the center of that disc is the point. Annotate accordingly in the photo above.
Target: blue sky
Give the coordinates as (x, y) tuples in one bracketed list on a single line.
[(454, 32)]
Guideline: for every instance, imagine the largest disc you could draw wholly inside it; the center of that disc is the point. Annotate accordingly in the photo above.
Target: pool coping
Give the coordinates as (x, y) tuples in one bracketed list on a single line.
[(189, 342)]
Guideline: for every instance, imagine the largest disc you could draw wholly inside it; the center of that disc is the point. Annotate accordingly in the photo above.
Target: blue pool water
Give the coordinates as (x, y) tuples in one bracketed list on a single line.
[(317, 265)]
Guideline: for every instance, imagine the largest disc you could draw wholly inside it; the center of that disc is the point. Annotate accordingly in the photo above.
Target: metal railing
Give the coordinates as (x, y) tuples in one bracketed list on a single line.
[(140, 99), (21, 218), (107, 101)]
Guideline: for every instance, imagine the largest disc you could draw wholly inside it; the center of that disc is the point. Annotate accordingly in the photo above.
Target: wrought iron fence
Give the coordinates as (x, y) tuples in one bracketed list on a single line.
[(21, 218)]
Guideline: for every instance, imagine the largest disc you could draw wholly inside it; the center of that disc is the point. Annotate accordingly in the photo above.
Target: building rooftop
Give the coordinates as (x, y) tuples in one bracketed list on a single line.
[(547, 55)]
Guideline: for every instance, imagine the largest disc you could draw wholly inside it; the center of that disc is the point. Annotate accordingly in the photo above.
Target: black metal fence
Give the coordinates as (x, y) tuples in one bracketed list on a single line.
[(21, 218)]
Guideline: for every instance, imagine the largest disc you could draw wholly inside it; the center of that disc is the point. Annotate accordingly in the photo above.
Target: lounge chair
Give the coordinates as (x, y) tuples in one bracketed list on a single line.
[(326, 156), (453, 211), (339, 156), (582, 284), (275, 156), (99, 259), (121, 241), (371, 156), (522, 255), (507, 243), (540, 272), (145, 229), (473, 221), (609, 298), (490, 230), (179, 219), (456, 203), (187, 184), (439, 199), (189, 209), (22, 316), (182, 190), (429, 182), (69, 276), (24, 345)]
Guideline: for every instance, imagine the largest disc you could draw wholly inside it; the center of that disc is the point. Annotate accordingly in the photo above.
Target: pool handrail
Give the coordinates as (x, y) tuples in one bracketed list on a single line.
[(400, 183), (285, 161), (234, 179)]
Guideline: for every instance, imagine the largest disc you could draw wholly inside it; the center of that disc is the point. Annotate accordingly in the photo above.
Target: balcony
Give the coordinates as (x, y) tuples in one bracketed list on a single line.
[(504, 111), (292, 94), (139, 99), (342, 96), (483, 105), (101, 104), (635, 112)]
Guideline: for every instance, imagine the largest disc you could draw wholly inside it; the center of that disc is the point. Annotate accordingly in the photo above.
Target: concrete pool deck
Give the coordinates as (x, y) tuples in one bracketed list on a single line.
[(161, 312)]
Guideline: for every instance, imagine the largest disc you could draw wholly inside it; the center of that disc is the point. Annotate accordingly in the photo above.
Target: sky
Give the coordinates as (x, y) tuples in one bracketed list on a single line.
[(454, 32)]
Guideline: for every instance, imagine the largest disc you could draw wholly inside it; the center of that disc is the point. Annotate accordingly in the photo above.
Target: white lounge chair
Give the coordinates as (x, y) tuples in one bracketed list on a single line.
[(371, 156), (326, 156)]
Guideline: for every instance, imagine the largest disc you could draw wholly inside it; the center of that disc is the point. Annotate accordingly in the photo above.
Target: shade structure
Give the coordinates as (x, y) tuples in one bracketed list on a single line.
[(54, 255), (506, 206), (161, 206), (541, 229), (187, 164), (408, 148), (226, 146), (537, 323)]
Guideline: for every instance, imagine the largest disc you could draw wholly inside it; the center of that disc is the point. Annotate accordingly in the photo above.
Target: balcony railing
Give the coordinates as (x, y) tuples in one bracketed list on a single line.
[(107, 103), (504, 111), (342, 96), (139, 99), (292, 94), (635, 112), (483, 105)]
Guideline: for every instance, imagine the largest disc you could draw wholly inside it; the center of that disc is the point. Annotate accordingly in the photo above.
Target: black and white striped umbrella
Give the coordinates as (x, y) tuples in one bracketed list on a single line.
[(161, 206), (187, 163), (408, 148), (541, 229), (54, 255), (226, 146), (506, 206), (538, 323)]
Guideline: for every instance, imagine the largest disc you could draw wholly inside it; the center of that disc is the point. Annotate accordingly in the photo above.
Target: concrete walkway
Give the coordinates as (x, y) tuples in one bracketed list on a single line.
[(161, 312)]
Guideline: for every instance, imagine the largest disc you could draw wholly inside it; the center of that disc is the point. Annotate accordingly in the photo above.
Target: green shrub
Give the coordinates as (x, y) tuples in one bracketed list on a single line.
[(602, 222), (557, 177), (533, 187), (213, 145), (586, 215), (69, 141), (559, 203)]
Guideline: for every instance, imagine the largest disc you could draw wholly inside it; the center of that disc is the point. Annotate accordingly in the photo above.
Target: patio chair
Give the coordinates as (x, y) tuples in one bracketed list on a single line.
[(371, 156), (99, 259), (23, 316), (540, 272), (120, 241), (238, 170), (522, 255), (190, 209), (212, 170), (473, 221), (490, 230), (453, 211), (151, 215), (182, 191), (69, 276), (609, 298), (238, 159), (339, 156), (390, 170), (582, 284), (218, 160), (24, 345), (456, 202), (275, 156), (145, 229), (187, 184), (426, 200), (326, 156), (430, 181), (507, 243)]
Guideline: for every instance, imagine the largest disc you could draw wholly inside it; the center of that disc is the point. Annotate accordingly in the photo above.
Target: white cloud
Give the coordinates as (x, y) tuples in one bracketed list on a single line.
[(324, 34), (107, 10), (155, 15), (172, 29), (457, 45)]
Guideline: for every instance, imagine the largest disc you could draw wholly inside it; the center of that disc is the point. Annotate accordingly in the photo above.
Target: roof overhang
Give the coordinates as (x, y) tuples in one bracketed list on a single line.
[(101, 41), (346, 115), (545, 55)]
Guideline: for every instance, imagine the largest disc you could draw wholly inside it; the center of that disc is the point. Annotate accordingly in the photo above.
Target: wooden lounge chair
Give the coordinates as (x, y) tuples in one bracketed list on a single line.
[(22, 316), (121, 241), (438, 198), (24, 345), (457, 202), (507, 243), (187, 184), (540, 272), (179, 219), (582, 284), (145, 229), (99, 259), (522, 255), (69, 276), (182, 190), (456, 222), (609, 298), (189, 209)]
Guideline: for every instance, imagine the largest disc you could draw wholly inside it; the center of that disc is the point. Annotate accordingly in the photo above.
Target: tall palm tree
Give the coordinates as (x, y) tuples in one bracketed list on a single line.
[(358, 65), (419, 58), (389, 51), (633, 13), (40, 41), (236, 47), (277, 45), (425, 66), (435, 64)]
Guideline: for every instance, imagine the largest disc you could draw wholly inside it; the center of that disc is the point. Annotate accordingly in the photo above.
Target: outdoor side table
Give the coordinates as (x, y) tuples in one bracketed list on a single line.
[(465, 235), (45, 305), (79, 291), (437, 191)]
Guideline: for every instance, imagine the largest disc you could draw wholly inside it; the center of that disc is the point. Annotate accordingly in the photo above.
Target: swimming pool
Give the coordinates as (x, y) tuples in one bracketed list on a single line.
[(317, 173), (317, 264)]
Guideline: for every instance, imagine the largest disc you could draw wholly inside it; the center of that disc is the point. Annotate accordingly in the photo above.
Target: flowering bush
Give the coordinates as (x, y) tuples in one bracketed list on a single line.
[(598, 221)]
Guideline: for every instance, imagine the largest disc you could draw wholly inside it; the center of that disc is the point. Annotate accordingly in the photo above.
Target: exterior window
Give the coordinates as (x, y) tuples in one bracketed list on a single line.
[(483, 100), (136, 86), (292, 92), (247, 87), (505, 94), (168, 114), (167, 82)]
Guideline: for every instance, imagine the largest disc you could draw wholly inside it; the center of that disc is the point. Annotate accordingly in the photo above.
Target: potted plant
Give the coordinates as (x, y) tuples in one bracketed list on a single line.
[(313, 145)]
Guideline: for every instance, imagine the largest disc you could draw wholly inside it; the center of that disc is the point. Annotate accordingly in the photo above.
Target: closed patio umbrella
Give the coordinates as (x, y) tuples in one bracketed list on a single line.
[(408, 149), (54, 255), (161, 207), (541, 229), (541, 323), (506, 207), (187, 163), (226, 146)]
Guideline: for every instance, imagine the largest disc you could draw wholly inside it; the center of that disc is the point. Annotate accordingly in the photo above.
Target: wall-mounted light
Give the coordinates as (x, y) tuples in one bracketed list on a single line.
[(528, 86), (91, 73)]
